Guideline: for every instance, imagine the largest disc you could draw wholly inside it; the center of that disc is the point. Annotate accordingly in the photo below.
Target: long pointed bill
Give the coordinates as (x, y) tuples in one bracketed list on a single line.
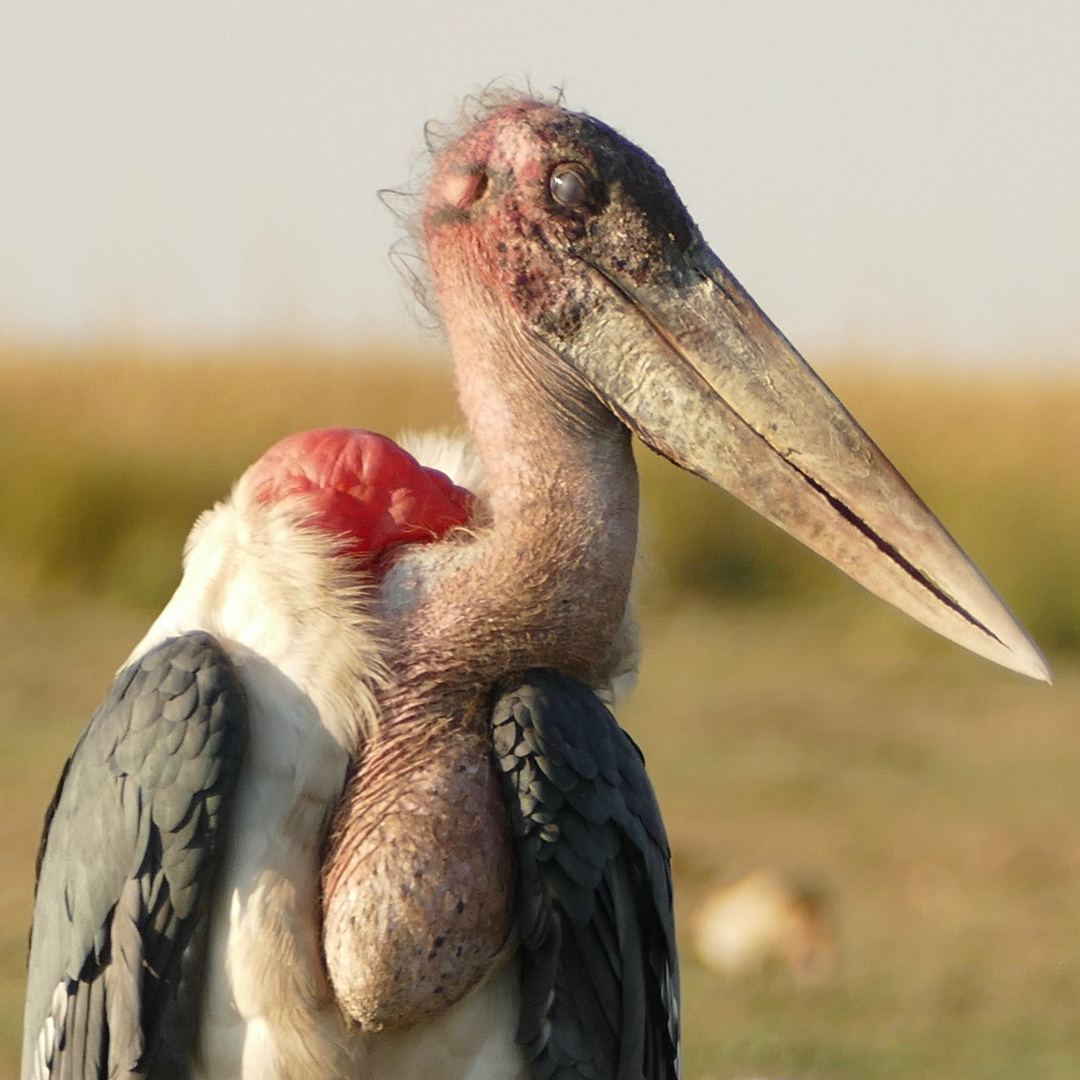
[(708, 381)]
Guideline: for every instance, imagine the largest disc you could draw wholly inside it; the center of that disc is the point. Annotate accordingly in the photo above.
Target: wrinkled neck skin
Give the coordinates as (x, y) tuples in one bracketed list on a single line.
[(546, 583)]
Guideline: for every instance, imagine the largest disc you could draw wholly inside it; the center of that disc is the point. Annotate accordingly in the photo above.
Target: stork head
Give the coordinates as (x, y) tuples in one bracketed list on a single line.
[(551, 237)]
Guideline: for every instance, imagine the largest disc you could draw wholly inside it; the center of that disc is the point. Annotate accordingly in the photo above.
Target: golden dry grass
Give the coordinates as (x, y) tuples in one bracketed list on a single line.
[(932, 801), (788, 720)]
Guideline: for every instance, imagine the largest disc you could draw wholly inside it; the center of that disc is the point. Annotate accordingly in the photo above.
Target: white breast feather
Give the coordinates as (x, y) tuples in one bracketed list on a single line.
[(294, 620), (297, 624), (452, 453)]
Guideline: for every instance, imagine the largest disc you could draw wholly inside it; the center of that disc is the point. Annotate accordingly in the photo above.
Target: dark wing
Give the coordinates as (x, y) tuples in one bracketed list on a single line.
[(124, 868), (600, 983)]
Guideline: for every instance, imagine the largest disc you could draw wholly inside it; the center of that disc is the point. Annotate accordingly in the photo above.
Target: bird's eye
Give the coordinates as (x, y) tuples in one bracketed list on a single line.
[(568, 185)]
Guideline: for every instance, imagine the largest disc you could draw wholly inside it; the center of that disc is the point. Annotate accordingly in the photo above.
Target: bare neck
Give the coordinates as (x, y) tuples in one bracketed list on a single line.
[(546, 585)]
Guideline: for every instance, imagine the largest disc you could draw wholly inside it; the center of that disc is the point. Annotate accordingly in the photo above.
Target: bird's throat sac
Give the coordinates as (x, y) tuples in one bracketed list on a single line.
[(419, 877)]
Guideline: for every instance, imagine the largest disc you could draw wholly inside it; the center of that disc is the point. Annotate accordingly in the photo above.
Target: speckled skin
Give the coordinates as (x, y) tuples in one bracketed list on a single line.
[(421, 893)]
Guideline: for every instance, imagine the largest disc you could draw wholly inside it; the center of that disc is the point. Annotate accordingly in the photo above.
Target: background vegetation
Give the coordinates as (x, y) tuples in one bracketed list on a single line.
[(789, 720)]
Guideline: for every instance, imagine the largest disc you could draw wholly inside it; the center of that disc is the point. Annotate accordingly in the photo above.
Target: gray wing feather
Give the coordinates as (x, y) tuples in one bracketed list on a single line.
[(124, 868), (599, 989)]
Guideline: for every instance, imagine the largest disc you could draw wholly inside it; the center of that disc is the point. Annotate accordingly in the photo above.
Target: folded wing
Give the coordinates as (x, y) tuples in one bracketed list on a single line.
[(125, 867), (600, 990)]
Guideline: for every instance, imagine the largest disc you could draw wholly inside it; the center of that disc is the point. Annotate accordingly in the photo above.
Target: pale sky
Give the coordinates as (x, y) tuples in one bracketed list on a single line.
[(902, 176)]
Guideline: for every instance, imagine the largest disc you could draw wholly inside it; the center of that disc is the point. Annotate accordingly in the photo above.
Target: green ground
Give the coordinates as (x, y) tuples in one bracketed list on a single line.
[(787, 720)]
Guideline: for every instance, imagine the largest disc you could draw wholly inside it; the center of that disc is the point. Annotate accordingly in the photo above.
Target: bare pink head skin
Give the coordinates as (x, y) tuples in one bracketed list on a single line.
[(556, 565)]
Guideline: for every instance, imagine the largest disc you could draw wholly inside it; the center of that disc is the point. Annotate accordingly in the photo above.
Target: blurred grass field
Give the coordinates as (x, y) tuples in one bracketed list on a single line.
[(788, 719)]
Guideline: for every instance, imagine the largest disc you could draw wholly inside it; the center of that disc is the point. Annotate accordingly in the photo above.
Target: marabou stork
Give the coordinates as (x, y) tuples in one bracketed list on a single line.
[(495, 894)]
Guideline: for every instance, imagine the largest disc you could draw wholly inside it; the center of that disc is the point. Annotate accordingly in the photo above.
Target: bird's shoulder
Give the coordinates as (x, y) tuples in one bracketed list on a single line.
[(129, 842), (599, 991)]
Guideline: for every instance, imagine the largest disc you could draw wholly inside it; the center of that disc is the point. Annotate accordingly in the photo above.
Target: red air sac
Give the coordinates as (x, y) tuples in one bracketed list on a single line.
[(361, 486)]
